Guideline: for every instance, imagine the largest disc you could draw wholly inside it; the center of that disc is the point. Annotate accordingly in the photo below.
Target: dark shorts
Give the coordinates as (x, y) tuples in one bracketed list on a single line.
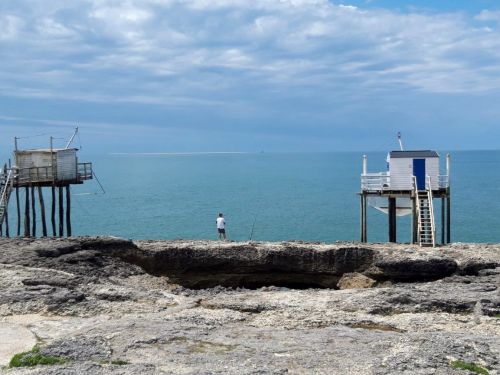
[(222, 231)]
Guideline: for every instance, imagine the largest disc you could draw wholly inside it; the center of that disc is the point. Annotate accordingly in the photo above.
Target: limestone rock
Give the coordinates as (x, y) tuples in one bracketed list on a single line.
[(114, 306), (355, 281)]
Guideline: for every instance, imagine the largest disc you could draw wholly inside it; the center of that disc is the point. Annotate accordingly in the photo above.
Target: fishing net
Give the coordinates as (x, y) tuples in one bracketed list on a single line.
[(403, 205)]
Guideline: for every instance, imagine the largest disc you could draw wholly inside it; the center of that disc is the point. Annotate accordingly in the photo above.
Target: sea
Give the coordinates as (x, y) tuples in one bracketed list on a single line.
[(266, 196)]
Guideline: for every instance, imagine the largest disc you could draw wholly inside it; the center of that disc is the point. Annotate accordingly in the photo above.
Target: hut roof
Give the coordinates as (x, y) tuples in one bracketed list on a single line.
[(44, 150), (414, 154)]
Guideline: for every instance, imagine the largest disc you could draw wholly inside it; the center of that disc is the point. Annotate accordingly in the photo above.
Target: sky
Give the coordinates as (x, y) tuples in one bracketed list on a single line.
[(250, 76)]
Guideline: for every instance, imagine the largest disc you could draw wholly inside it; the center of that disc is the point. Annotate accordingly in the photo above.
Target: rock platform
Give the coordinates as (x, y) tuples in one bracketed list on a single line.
[(113, 306)]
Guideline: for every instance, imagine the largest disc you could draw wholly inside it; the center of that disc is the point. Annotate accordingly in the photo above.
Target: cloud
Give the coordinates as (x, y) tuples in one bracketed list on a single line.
[(232, 51), (9, 27), (489, 15)]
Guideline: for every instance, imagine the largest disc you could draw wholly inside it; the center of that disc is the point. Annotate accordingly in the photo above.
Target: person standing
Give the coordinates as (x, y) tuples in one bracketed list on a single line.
[(221, 226)]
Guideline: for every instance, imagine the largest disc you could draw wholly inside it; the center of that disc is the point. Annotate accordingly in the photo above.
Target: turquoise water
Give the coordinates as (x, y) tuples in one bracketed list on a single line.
[(308, 197)]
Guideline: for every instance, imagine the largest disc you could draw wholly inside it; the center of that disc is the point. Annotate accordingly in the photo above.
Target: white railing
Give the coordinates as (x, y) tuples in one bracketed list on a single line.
[(417, 207), (431, 208), (444, 181), (375, 181)]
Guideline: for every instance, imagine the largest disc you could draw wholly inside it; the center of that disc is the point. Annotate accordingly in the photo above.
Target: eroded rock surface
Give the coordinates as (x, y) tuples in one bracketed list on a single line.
[(111, 306)]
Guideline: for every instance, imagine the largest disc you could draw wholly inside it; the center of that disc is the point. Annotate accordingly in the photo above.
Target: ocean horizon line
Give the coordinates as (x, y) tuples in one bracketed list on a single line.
[(180, 153)]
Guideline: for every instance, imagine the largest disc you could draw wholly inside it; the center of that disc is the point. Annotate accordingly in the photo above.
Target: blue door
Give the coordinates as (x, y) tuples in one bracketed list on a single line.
[(419, 172)]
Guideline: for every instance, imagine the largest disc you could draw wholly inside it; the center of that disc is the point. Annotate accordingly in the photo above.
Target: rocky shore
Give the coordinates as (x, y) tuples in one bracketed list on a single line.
[(112, 306)]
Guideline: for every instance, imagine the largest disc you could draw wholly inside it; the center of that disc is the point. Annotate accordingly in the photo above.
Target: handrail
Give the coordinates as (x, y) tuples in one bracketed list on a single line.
[(375, 181), (35, 174), (8, 181), (84, 171), (444, 181), (46, 173), (431, 208), (415, 190)]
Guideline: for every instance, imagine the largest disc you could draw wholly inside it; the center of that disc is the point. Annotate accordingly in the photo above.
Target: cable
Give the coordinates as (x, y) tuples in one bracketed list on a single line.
[(79, 140), (33, 136), (93, 173)]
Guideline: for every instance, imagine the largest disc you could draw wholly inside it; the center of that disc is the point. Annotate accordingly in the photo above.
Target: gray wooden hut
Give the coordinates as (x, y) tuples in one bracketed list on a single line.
[(36, 169)]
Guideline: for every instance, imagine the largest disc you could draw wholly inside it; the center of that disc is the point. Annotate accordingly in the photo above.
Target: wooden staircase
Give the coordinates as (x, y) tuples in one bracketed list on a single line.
[(6, 181), (425, 213)]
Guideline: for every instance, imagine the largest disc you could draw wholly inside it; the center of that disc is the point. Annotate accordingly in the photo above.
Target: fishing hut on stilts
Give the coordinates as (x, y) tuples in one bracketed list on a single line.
[(409, 186), (33, 170)]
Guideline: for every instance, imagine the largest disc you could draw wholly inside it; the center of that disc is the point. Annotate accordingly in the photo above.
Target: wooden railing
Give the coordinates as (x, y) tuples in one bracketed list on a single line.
[(34, 175), (84, 171), (46, 174)]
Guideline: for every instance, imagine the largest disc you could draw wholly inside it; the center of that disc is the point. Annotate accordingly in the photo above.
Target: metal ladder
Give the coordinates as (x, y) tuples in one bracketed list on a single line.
[(6, 182), (425, 213)]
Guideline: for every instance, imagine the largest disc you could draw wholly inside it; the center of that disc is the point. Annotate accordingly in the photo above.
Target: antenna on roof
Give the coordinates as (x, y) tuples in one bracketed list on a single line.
[(72, 137), (400, 141)]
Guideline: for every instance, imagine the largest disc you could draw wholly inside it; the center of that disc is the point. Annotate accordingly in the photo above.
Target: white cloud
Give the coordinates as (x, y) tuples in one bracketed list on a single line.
[(489, 15), (153, 50), (10, 27)]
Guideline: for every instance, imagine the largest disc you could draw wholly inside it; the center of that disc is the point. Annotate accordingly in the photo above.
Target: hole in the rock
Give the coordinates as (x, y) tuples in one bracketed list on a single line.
[(257, 281)]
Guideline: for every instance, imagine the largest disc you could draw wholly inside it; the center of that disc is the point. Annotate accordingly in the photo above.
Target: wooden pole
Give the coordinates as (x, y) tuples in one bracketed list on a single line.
[(7, 231), (448, 219), (443, 227), (361, 217), (363, 231), (27, 230), (53, 211), (33, 208), (414, 220), (392, 219), (42, 211), (68, 211), (61, 212), (18, 208)]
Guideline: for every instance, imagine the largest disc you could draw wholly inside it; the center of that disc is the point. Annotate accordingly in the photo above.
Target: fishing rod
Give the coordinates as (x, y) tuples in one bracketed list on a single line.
[(253, 226)]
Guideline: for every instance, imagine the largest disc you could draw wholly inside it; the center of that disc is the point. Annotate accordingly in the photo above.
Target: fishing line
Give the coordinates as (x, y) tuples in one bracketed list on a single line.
[(34, 136), (82, 207), (253, 226), (95, 192)]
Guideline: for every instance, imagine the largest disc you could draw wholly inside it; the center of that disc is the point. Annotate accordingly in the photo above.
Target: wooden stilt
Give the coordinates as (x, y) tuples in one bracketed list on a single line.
[(68, 211), (7, 231), (392, 219), (363, 228), (414, 221), (448, 219), (443, 218), (361, 218), (33, 209), (27, 230), (53, 211), (18, 209), (61, 212), (42, 211)]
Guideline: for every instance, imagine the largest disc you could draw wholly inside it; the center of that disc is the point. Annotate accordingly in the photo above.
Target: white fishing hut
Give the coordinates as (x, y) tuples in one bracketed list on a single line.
[(410, 185)]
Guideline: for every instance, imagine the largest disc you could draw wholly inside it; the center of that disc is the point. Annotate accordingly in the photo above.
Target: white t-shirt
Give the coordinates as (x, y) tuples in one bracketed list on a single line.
[(221, 223)]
